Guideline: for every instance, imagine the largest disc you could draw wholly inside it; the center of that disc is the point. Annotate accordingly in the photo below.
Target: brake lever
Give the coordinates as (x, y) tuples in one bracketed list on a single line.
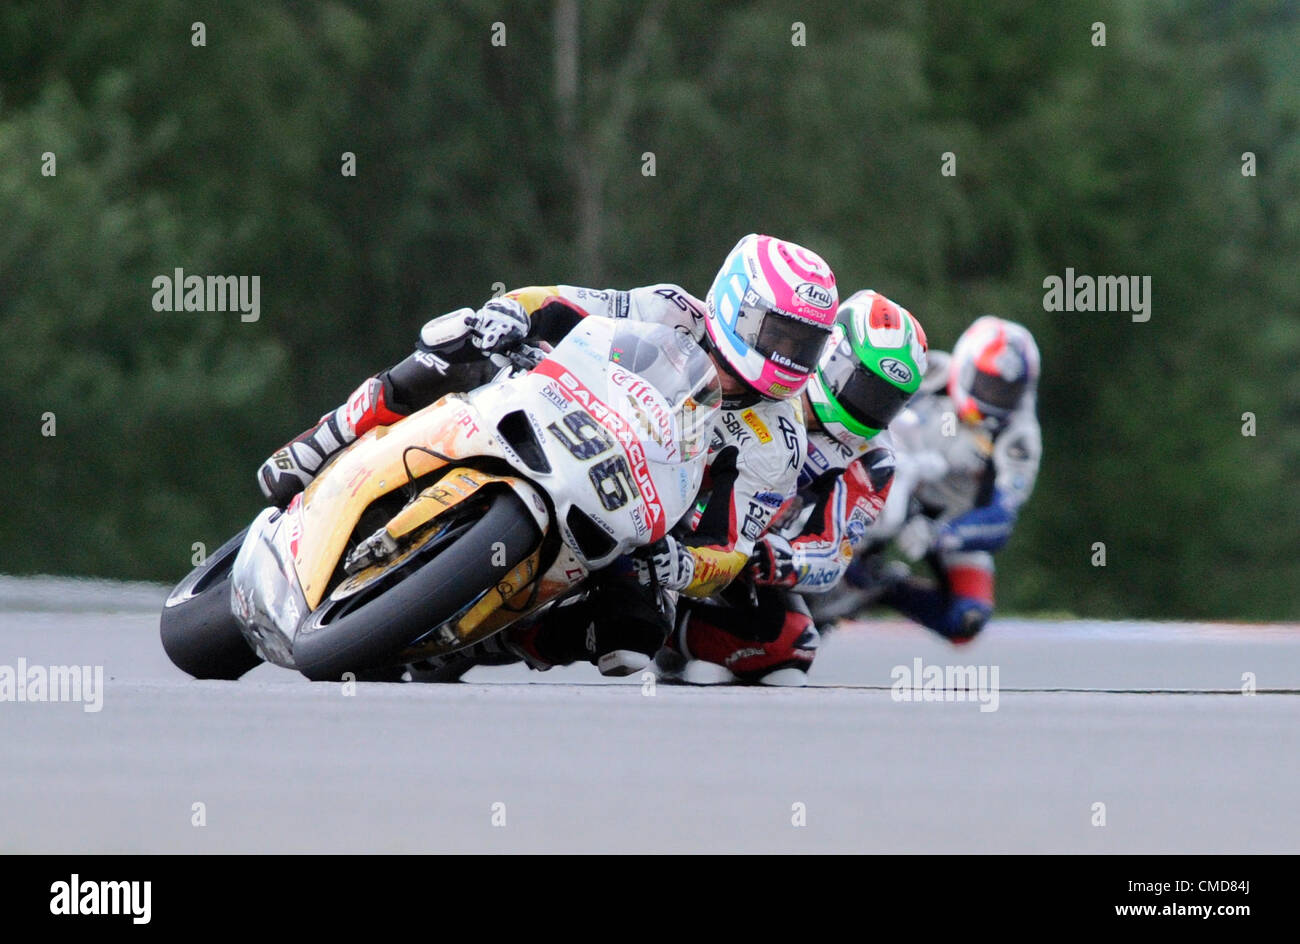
[(525, 356)]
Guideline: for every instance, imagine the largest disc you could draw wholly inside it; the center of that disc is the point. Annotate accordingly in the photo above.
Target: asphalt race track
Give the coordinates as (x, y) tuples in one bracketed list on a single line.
[(1148, 719)]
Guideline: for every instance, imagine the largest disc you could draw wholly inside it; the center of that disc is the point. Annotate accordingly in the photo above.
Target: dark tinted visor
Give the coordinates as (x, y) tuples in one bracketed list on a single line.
[(998, 394), (870, 399), (794, 345)]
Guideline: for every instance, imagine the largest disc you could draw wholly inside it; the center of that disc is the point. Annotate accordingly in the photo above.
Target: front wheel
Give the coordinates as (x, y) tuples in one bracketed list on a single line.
[(199, 632), (476, 549)]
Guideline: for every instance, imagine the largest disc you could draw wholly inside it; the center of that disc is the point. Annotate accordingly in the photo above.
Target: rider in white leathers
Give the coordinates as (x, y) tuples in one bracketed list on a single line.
[(968, 449)]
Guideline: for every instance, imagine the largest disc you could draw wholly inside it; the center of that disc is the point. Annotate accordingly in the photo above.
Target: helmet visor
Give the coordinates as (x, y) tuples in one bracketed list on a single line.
[(871, 399), (995, 394), (789, 343), (867, 401)]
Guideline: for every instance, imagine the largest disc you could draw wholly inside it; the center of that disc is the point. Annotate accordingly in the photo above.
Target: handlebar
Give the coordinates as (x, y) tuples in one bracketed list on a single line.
[(525, 356)]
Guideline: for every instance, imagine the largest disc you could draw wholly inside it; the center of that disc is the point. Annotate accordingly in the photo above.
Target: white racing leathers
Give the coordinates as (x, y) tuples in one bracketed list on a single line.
[(760, 629), (956, 495), (841, 493), (754, 460)]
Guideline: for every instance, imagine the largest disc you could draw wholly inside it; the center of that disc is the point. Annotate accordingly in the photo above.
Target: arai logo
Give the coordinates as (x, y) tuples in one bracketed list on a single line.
[(815, 295), (896, 369)]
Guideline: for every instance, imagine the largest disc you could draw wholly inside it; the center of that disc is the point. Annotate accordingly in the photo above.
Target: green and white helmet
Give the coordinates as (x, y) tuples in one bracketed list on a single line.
[(872, 366)]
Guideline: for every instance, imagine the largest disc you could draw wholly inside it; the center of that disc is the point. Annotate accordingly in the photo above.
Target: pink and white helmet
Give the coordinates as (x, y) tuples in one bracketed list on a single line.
[(770, 312)]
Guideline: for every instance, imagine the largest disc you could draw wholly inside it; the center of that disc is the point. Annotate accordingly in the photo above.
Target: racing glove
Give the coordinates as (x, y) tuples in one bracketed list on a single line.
[(499, 325), (668, 561), (773, 562), (916, 538)]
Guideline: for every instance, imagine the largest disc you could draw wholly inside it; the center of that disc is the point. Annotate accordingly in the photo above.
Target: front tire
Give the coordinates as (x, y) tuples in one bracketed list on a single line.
[(199, 632), (373, 634)]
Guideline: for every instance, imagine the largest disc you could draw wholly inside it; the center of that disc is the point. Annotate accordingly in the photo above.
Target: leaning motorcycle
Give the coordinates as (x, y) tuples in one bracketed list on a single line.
[(484, 508)]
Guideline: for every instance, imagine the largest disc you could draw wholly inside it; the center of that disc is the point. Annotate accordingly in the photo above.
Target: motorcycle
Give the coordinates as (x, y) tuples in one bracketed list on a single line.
[(482, 509)]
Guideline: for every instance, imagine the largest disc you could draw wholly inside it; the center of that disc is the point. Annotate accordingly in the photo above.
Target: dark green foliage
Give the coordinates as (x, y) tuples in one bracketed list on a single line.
[(225, 159)]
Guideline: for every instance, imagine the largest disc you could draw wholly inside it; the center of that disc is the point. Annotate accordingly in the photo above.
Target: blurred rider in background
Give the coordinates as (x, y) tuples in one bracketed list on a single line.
[(969, 447)]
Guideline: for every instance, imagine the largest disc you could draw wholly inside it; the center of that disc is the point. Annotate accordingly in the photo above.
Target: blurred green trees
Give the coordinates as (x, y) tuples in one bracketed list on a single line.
[(480, 164)]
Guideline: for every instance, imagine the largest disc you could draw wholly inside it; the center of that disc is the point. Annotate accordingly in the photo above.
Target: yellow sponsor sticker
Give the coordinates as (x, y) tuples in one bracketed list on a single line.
[(779, 390), (753, 422)]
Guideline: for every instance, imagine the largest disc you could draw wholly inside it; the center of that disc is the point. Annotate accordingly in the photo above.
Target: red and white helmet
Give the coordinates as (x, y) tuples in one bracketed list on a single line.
[(770, 313), (994, 365)]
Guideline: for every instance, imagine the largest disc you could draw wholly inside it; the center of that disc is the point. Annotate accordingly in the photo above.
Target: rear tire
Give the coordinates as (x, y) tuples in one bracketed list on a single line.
[(199, 632), (374, 634)]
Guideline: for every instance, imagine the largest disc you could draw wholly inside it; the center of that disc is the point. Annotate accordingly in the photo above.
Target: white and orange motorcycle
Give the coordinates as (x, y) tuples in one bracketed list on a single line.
[(432, 534)]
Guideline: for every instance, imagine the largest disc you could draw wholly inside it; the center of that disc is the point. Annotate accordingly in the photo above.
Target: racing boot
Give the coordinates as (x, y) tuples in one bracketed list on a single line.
[(617, 626), (709, 647), (295, 464)]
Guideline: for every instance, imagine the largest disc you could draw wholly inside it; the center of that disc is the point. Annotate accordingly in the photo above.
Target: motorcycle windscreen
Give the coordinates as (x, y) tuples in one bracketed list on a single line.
[(654, 377), (673, 397), (651, 390)]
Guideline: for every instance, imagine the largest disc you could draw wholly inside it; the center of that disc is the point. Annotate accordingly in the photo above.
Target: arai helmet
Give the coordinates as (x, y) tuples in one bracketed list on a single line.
[(994, 364), (770, 311), (873, 365)]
